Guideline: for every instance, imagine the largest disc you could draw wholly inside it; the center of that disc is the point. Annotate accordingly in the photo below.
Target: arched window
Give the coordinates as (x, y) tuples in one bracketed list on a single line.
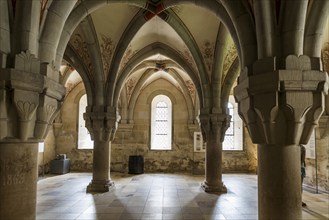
[(84, 139), (233, 135), (161, 123)]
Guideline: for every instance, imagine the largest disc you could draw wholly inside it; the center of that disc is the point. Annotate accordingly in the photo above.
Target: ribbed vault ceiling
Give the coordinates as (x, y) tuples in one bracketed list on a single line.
[(115, 33)]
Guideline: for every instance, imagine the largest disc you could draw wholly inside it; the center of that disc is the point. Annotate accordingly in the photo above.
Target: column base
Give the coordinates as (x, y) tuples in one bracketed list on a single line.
[(214, 189), (100, 186)]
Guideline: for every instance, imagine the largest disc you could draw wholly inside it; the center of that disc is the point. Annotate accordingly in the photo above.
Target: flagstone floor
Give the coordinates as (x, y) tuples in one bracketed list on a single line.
[(158, 196)]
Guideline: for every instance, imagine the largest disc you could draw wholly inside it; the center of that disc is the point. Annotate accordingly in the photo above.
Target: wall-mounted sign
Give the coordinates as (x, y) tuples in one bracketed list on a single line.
[(199, 145), (41, 147)]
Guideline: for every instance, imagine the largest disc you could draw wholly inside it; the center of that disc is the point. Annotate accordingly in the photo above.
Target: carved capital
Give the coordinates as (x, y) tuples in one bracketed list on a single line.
[(102, 122), (214, 125), (26, 104), (282, 106), (29, 99), (27, 62), (112, 120), (46, 112)]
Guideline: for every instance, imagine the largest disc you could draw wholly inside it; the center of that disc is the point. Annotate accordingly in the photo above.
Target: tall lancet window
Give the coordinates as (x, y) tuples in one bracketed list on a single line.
[(161, 123), (233, 135), (84, 139)]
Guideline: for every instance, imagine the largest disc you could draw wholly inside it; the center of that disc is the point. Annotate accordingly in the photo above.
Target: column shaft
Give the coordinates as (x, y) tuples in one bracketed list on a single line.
[(213, 171), (213, 128), (18, 180), (279, 183), (101, 181)]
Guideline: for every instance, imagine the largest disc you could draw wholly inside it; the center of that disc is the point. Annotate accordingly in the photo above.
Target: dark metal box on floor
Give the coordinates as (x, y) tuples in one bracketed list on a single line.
[(60, 166), (136, 164)]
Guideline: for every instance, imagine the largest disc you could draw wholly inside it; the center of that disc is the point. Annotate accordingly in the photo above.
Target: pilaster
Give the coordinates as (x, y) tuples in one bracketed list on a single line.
[(213, 127)]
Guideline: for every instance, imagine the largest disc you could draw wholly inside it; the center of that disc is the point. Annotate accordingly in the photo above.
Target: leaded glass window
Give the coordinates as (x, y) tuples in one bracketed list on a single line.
[(161, 123), (233, 135), (84, 139)]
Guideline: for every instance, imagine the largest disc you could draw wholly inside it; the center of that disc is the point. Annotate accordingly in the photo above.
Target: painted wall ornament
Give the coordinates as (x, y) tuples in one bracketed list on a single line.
[(208, 54), (107, 48), (229, 58), (127, 56), (81, 48)]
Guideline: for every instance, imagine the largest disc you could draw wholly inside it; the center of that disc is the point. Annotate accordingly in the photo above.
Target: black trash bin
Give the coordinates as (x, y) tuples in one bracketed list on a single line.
[(136, 164)]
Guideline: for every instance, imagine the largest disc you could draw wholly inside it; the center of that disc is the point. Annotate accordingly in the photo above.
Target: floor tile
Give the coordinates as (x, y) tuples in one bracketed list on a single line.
[(158, 196)]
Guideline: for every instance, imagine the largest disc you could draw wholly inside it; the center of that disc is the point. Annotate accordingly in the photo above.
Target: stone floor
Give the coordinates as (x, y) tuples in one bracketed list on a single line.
[(158, 196)]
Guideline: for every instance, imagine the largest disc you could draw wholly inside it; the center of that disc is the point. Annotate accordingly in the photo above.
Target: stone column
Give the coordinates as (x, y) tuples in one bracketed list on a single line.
[(18, 179), (102, 123), (213, 126), (30, 98), (280, 108)]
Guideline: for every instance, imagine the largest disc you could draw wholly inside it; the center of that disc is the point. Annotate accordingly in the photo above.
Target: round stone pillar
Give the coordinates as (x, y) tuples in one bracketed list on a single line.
[(101, 181), (30, 97), (102, 123), (213, 169), (280, 108), (213, 130), (279, 182), (18, 180)]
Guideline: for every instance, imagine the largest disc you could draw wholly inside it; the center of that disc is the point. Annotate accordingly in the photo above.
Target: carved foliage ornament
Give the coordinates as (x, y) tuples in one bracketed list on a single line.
[(26, 109), (27, 62)]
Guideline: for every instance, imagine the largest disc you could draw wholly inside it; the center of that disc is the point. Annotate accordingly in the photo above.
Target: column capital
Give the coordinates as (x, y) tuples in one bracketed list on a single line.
[(215, 123), (102, 122), (281, 106), (30, 98)]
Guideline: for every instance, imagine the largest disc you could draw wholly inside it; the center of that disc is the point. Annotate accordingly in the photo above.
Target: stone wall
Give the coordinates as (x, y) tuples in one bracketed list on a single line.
[(318, 170), (66, 140), (181, 158), (241, 161), (45, 157)]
